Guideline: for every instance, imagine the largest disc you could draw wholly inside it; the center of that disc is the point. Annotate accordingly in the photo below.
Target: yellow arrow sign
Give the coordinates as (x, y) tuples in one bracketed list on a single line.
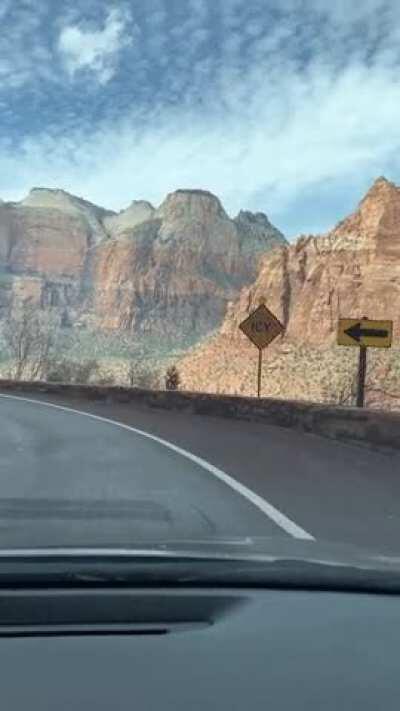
[(261, 327), (365, 332)]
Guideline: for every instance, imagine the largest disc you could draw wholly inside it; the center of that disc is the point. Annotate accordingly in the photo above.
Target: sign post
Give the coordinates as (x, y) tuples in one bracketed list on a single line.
[(362, 371), (259, 372), (364, 333), (261, 327)]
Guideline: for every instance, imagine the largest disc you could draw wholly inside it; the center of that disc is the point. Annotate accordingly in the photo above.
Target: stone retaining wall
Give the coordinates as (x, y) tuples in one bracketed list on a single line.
[(363, 426)]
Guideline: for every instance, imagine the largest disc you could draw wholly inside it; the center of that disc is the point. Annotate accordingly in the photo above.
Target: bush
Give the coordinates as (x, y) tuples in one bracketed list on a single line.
[(68, 371), (85, 371), (30, 336), (58, 372), (146, 379), (106, 379), (172, 378), (139, 375)]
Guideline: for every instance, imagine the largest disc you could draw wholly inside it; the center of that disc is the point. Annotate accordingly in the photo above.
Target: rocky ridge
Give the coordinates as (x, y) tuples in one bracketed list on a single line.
[(352, 271), (169, 270), (174, 273)]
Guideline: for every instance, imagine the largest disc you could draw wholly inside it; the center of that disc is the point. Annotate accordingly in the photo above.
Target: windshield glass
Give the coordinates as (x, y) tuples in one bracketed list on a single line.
[(199, 277)]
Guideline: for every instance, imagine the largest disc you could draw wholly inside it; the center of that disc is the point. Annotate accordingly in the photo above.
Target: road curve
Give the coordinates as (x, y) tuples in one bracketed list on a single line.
[(68, 478), (89, 482)]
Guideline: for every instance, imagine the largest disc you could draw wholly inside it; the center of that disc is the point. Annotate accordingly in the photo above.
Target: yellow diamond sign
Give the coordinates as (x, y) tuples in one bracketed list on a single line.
[(262, 327), (365, 332)]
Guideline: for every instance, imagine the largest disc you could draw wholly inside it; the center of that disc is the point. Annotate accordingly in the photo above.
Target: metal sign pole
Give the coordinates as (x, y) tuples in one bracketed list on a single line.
[(362, 369), (259, 372)]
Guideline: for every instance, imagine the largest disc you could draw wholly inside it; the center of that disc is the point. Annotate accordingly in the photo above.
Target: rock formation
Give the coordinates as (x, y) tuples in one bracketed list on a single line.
[(175, 272), (352, 271), (167, 272)]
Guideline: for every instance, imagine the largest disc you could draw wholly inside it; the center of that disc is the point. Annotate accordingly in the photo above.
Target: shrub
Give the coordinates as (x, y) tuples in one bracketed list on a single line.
[(172, 378), (69, 371), (140, 375), (146, 379), (105, 379)]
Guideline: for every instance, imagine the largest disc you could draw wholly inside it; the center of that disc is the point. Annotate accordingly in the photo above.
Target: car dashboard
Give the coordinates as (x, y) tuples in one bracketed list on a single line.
[(176, 649)]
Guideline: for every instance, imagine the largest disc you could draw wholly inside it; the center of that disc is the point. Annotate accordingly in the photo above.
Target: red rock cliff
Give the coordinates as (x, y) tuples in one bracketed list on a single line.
[(352, 271), (169, 271), (174, 273)]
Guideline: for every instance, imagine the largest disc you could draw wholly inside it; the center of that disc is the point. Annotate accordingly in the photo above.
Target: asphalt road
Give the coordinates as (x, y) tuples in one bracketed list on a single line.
[(69, 479)]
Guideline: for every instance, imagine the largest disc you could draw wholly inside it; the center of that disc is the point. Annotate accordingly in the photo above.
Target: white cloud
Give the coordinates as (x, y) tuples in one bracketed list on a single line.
[(95, 50), (257, 123), (309, 132)]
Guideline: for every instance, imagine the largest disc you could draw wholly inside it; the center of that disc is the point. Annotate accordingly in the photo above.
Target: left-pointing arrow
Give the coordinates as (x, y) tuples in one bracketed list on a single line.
[(358, 332)]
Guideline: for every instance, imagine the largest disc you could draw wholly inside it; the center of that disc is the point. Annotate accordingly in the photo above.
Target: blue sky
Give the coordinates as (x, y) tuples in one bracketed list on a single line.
[(290, 107)]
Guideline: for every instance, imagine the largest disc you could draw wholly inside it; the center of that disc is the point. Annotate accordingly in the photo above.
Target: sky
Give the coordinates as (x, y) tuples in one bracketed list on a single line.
[(288, 107)]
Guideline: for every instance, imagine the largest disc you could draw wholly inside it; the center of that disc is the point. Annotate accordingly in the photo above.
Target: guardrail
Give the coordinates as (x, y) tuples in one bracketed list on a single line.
[(372, 427)]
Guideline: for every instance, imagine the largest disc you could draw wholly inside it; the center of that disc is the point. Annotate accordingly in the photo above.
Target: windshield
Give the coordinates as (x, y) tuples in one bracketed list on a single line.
[(199, 279)]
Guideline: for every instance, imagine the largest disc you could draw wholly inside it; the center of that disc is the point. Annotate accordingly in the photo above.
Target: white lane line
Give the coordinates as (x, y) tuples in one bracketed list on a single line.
[(268, 509)]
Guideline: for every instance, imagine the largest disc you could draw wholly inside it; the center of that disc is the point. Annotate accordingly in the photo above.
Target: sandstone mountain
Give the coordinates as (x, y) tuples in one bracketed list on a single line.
[(352, 271), (166, 271), (176, 272)]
